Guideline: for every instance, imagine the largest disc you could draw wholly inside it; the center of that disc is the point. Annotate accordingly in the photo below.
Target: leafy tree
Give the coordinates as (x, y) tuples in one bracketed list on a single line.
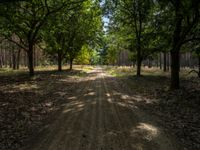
[(26, 19), (184, 19), (85, 26), (135, 19), (84, 56)]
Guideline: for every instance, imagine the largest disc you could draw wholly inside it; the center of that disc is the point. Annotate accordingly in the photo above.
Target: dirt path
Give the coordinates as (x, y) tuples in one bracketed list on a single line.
[(98, 116)]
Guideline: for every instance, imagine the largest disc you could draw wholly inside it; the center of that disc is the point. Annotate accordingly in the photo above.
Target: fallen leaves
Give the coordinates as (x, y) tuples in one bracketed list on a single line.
[(24, 108)]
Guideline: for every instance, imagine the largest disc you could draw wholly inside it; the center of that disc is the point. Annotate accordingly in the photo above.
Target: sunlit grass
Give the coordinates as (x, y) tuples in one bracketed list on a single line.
[(85, 68), (24, 70), (145, 71), (10, 71)]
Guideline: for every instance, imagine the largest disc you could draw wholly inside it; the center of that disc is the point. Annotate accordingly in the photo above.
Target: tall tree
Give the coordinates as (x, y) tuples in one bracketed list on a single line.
[(185, 18), (25, 19), (136, 17)]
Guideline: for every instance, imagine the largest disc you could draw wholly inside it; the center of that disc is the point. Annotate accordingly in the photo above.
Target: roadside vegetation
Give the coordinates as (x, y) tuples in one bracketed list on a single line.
[(177, 110), (145, 49)]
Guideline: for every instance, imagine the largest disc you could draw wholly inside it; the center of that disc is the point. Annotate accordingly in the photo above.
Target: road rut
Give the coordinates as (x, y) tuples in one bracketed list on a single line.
[(98, 116)]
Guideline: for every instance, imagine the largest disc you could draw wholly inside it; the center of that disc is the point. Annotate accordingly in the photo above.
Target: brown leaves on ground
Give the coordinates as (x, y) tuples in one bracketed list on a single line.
[(25, 104), (178, 111)]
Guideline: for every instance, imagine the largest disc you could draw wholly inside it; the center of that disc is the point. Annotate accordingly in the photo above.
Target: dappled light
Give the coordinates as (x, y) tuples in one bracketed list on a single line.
[(98, 108), (148, 130), (99, 74)]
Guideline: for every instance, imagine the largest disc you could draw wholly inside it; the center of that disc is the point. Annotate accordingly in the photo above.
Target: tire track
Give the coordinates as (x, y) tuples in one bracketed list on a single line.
[(118, 121), (97, 119), (61, 126)]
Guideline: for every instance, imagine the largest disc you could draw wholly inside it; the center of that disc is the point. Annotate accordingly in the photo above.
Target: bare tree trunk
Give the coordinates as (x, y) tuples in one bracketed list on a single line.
[(199, 66), (71, 64), (18, 58), (160, 61), (175, 69), (175, 52), (10, 57), (157, 62), (14, 60), (30, 60), (59, 61), (165, 62), (168, 61), (149, 63), (139, 60), (139, 63), (1, 56)]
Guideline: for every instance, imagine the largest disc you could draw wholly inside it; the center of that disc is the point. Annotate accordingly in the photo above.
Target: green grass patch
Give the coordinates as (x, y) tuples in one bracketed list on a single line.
[(145, 71)]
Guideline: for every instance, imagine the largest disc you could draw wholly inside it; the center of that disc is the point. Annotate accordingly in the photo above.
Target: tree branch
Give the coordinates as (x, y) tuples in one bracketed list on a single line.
[(16, 43)]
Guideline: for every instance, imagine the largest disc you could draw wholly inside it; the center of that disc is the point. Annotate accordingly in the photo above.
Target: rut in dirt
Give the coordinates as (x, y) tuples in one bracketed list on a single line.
[(99, 116)]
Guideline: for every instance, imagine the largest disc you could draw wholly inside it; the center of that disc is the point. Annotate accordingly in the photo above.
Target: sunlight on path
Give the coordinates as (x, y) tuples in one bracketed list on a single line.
[(96, 118)]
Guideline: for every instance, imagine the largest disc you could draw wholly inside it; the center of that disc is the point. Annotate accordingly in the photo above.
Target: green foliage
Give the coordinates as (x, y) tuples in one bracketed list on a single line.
[(84, 56)]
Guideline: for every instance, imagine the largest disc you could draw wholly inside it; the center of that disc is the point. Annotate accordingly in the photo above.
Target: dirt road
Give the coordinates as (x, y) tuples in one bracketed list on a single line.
[(99, 116)]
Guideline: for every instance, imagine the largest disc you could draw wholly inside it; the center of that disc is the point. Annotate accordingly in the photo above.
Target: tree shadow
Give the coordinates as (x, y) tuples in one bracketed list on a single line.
[(87, 110)]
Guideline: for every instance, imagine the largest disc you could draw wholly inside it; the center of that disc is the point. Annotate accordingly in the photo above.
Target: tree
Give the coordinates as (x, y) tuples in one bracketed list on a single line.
[(185, 18), (84, 56), (26, 19), (85, 27)]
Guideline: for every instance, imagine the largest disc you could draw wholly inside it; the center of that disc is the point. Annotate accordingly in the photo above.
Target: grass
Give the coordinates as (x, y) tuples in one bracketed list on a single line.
[(154, 71), (23, 71)]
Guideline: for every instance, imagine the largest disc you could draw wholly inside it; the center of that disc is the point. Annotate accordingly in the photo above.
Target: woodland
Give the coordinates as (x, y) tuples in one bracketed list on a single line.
[(63, 60)]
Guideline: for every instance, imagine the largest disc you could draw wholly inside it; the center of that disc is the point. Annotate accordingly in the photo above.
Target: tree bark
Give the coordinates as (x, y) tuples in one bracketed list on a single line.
[(30, 60), (139, 63), (1, 57), (160, 61), (14, 60), (71, 64), (10, 58), (59, 62), (165, 62), (149, 63), (18, 58), (199, 66), (168, 61), (175, 83), (1, 63), (175, 51), (139, 60)]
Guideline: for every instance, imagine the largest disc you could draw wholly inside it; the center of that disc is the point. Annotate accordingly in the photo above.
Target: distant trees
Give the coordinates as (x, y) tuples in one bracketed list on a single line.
[(157, 26), (60, 27), (185, 18), (73, 30), (150, 30), (135, 14)]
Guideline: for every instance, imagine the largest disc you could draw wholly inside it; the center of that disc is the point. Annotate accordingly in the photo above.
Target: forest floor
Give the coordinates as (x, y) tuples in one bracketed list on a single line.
[(98, 108)]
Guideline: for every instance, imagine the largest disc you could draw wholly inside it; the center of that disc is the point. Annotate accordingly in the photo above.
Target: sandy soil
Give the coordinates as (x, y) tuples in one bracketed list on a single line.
[(100, 116)]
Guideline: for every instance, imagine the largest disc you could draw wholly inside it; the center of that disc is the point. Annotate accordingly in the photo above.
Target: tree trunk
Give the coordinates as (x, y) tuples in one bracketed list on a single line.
[(175, 69), (168, 61), (1, 64), (199, 66), (71, 64), (59, 62), (160, 61), (165, 62), (1, 57), (18, 58), (175, 52), (10, 58), (157, 61), (149, 63), (139, 62), (14, 60), (30, 60)]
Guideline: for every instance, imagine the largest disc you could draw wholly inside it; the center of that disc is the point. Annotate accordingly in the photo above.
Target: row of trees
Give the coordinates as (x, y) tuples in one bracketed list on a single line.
[(151, 26), (61, 28)]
